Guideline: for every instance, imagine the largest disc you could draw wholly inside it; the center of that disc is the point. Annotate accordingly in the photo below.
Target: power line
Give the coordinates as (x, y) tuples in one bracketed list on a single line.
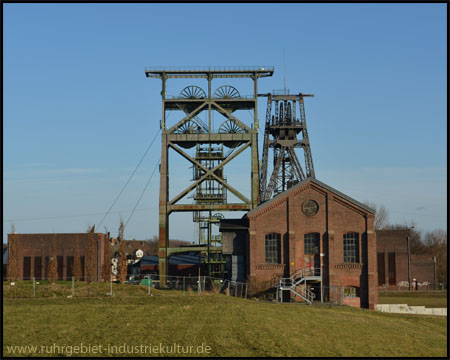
[(143, 191), (132, 174)]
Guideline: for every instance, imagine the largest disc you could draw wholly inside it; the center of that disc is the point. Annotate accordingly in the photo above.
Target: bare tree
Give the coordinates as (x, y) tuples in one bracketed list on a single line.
[(436, 244), (153, 245), (122, 263), (121, 230), (106, 270), (381, 214)]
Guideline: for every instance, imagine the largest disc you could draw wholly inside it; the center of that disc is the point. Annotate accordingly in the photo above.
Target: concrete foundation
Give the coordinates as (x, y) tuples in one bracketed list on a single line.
[(405, 309)]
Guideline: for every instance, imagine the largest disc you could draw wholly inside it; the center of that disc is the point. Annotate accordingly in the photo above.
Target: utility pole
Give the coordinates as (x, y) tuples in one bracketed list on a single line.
[(409, 258), (434, 278)]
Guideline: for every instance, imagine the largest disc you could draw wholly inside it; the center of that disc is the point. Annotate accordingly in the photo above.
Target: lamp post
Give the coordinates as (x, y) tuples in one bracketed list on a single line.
[(409, 258), (434, 277)]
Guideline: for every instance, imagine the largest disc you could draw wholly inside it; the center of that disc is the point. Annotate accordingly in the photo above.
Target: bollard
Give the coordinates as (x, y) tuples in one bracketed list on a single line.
[(183, 285), (34, 287), (148, 285), (73, 286), (229, 292)]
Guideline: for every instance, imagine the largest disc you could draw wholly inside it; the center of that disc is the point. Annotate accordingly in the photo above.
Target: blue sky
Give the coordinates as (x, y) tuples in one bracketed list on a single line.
[(79, 111)]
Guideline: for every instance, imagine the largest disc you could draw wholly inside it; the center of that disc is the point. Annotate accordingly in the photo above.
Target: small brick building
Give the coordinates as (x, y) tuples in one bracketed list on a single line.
[(392, 256), (31, 254), (392, 261), (313, 226)]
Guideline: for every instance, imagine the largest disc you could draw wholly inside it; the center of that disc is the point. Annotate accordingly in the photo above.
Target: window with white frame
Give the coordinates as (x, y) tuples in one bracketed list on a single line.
[(351, 248), (273, 244)]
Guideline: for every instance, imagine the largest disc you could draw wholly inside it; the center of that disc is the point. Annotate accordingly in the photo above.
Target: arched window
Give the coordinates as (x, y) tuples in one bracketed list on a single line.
[(351, 248), (273, 253)]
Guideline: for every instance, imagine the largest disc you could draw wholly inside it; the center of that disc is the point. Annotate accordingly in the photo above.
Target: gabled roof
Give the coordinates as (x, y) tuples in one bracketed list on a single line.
[(319, 183)]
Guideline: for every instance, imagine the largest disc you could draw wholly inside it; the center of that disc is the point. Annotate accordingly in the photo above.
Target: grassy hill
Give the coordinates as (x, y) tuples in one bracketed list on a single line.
[(432, 299), (228, 326)]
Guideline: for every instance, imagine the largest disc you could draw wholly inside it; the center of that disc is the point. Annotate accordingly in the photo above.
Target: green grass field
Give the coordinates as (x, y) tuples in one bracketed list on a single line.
[(228, 326), (432, 299)]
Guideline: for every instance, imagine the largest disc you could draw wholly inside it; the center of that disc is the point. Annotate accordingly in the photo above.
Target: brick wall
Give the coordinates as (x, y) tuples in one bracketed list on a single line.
[(354, 302), (422, 269), (33, 247), (394, 242)]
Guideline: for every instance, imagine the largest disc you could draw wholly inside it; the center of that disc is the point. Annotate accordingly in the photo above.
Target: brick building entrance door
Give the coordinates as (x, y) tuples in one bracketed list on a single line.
[(311, 260)]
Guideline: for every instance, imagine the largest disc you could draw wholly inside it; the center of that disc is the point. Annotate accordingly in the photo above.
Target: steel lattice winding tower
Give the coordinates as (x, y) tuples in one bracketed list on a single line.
[(281, 134), (210, 186)]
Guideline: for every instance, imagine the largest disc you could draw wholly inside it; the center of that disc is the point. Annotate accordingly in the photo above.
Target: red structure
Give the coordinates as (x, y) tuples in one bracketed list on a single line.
[(394, 269), (35, 251), (316, 229)]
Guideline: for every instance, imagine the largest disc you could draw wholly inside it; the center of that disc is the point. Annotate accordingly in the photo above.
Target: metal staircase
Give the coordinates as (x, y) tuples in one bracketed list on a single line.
[(296, 284)]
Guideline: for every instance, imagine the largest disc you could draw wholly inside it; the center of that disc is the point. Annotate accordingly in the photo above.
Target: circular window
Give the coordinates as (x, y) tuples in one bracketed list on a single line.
[(310, 208)]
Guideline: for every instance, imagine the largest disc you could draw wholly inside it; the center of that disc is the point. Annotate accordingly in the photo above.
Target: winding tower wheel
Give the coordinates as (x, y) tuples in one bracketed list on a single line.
[(227, 92), (230, 127), (192, 92)]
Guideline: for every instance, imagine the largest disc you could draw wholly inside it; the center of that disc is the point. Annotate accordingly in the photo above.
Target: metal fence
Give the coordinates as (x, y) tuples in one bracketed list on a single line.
[(200, 284), (144, 284), (419, 287), (136, 285)]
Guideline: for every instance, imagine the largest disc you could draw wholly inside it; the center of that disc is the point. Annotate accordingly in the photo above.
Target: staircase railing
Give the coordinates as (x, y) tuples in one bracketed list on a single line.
[(303, 292), (293, 283)]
